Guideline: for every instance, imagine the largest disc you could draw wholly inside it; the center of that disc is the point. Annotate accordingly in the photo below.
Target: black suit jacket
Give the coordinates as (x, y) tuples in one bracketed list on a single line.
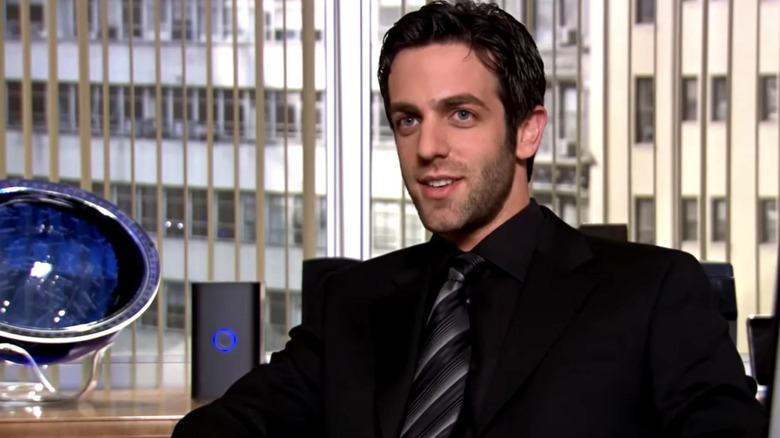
[(607, 339)]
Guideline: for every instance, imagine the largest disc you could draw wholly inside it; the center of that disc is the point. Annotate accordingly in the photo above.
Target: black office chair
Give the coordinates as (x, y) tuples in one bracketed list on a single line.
[(313, 272), (617, 232), (721, 277)]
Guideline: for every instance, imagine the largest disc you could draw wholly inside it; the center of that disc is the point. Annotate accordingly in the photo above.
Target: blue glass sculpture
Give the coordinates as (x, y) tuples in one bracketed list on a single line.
[(74, 270)]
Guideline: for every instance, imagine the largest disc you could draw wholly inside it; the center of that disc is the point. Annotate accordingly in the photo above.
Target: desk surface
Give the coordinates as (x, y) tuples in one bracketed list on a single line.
[(115, 414)]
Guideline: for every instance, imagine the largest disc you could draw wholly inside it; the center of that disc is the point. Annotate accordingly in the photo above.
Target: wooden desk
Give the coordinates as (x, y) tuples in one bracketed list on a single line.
[(116, 414)]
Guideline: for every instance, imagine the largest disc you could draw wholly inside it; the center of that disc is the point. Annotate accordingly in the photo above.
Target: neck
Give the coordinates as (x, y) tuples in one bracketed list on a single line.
[(518, 199)]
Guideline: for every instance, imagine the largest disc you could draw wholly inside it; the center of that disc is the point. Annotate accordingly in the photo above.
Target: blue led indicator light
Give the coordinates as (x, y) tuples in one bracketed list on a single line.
[(224, 340)]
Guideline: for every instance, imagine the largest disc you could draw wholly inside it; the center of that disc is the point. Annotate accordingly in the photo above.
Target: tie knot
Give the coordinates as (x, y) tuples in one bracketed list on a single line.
[(463, 265)]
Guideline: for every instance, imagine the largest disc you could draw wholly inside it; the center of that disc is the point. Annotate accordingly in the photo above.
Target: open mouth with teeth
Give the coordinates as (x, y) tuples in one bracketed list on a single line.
[(440, 183)]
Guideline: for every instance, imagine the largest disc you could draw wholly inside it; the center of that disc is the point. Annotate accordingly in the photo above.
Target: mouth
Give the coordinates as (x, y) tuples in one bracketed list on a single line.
[(438, 188), (438, 183)]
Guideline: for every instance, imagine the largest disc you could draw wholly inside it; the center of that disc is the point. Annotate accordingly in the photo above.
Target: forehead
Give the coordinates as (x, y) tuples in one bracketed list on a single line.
[(436, 71)]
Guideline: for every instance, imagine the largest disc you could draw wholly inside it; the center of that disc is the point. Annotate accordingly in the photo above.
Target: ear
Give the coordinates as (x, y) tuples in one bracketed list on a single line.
[(529, 133)]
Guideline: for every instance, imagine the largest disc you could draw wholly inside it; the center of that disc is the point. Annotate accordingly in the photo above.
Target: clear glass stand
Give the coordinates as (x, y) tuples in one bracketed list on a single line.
[(42, 391)]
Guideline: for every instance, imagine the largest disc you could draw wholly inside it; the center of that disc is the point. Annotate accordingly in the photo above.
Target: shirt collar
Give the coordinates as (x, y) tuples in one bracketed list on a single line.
[(509, 247)]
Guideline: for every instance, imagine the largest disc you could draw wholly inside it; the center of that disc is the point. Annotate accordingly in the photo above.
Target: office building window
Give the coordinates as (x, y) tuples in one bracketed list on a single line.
[(39, 105), (13, 20), (567, 114), (146, 199), (567, 209), (297, 221), (275, 226), (13, 93), (66, 97), (719, 219), (174, 212), (322, 222), (719, 98), (200, 213), (248, 217), (174, 296), (383, 132), (645, 220), (645, 11), (149, 317), (387, 222), (122, 197), (690, 96), (690, 219), (645, 110), (768, 98), (415, 231), (543, 23), (226, 214), (97, 188), (767, 220)]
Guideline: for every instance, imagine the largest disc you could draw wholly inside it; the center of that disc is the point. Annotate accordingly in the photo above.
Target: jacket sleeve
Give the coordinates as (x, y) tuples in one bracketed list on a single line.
[(697, 376), (281, 398)]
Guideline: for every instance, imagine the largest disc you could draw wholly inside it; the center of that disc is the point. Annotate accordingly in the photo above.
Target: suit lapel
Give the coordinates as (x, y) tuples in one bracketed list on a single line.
[(553, 293), (397, 322)]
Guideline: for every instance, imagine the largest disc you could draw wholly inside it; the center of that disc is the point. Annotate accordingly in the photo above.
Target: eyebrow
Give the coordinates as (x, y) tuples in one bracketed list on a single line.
[(445, 104)]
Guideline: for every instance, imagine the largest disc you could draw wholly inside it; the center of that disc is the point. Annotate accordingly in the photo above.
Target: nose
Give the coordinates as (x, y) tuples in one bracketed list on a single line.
[(432, 142)]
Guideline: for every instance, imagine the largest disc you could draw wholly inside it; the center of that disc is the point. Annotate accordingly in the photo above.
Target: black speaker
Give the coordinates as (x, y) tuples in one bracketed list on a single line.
[(226, 335)]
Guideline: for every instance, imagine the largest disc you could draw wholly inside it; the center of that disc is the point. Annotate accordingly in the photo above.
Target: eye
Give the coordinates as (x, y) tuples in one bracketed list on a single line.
[(463, 115), (406, 122)]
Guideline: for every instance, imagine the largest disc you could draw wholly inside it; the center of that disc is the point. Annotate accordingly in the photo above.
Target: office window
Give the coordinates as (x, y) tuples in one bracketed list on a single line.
[(182, 25), (768, 98), (415, 231), (97, 188), (387, 231), (719, 98), (645, 110), (13, 21), (248, 218), (225, 214), (567, 113), (297, 220), (136, 8), (174, 295), (14, 96), (199, 213), (383, 132), (96, 108), (66, 97), (690, 96), (388, 15), (122, 197), (276, 316), (645, 220), (690, 219), (174, 212), (146, 200), (149, 317), (719, 219), (322, 222), (645, 11), (39, 105), (275, 220), (767, 220), (567, 209)]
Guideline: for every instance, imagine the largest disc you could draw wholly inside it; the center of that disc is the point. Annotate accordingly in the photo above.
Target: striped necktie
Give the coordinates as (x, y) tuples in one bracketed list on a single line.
[(439, 382)]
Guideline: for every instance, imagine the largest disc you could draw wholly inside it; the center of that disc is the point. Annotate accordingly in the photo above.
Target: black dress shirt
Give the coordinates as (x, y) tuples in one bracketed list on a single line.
[(493, 292)]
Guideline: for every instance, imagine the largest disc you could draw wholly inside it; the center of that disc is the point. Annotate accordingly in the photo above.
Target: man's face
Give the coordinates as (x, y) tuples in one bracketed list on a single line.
[(450, 134)]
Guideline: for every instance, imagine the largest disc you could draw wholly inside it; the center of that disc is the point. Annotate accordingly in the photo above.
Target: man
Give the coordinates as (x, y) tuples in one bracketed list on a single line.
[(508, 322)]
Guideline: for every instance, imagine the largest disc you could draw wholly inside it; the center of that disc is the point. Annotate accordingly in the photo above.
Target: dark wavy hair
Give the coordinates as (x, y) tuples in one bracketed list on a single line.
[(502, 44)]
